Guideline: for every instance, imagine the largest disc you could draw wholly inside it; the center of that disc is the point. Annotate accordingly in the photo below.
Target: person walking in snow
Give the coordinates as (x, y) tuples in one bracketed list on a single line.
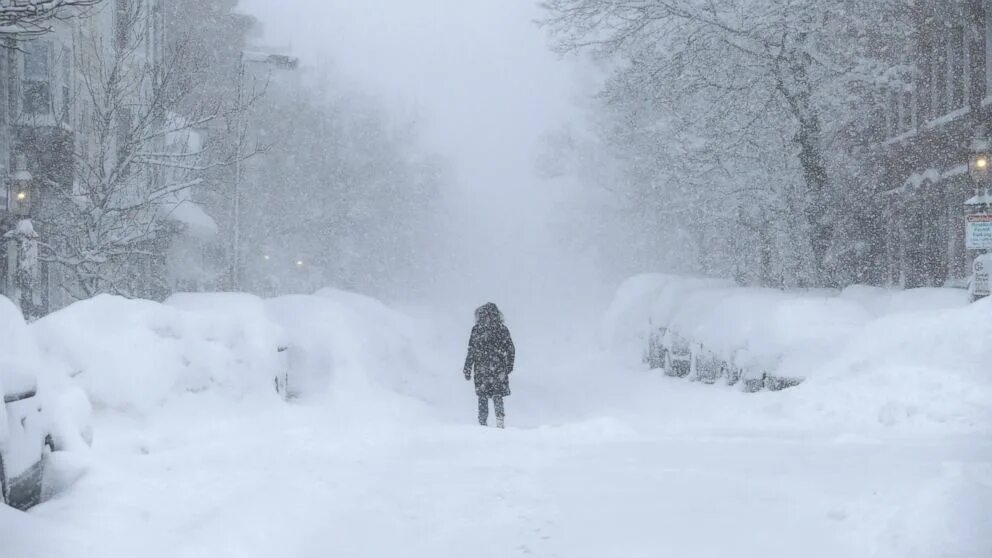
[(490, 357)]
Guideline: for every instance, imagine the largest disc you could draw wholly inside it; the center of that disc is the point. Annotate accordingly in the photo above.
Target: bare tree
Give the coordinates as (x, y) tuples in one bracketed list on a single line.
[(141, 148), (35, 16), (737, 84)]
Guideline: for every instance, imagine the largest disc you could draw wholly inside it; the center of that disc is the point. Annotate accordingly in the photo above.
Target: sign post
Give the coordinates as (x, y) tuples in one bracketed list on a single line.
[(978, 231), (981, 286)]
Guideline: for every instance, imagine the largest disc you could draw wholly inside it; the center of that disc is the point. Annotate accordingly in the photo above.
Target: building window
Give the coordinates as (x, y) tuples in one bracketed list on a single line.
[(988, 51), (158, 37), (125, 120), (37, 85), (892, 114), (13, 79), (956, 68), (123, 23), (906, 122), (66, 91), (938, 80), (923, 88), (6, 74)]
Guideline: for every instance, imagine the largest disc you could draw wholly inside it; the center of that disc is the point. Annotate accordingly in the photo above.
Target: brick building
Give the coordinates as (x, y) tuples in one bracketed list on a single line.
[(928, 129)]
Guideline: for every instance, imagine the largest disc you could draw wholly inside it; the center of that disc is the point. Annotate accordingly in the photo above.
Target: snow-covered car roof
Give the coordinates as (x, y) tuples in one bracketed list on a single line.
[(17, 375)]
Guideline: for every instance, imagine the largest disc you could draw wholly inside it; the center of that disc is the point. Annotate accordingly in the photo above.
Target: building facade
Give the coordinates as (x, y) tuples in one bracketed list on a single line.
[(928, 127), (50, 129)]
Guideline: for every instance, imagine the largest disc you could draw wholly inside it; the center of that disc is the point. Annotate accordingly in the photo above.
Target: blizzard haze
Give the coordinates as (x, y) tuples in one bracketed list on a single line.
[(481, 80), (243, 279)]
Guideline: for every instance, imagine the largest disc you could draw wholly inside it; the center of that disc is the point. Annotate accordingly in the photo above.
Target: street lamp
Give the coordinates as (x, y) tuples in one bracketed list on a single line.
[(978, 218), (278, 61), (19, 190), (978, 165)]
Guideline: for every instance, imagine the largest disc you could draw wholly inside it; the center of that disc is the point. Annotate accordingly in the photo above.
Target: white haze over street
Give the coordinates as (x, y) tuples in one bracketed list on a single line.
[(480, 79)]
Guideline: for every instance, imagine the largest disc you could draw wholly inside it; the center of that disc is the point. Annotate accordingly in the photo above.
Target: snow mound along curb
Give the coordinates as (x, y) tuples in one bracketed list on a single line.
[(864, 354), (134, 356)]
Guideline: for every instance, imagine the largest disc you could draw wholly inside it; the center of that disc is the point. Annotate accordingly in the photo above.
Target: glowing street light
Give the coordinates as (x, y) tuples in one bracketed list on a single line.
[(19, 200), (979, 162), (979, 165)]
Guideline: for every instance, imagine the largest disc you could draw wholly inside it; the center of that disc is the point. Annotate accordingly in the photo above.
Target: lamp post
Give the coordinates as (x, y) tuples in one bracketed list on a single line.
[(19, 191), (21, 277), (247, 59), (978, 161), (978, 217)]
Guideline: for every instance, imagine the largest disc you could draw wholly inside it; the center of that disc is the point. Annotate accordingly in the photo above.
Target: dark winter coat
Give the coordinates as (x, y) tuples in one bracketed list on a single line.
[(490, 353)]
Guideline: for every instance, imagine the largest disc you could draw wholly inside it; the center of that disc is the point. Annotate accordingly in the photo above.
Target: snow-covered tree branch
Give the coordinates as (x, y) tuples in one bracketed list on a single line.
[(35, 16), (707, 96), (141, 149)]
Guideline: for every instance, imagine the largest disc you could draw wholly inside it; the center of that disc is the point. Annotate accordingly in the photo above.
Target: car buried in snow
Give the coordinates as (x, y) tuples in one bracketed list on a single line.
[(25, 440), (41, 411)]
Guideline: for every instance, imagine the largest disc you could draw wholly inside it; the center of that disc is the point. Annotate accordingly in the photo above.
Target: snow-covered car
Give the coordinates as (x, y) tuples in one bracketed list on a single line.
[(25, 441), (41, 411)]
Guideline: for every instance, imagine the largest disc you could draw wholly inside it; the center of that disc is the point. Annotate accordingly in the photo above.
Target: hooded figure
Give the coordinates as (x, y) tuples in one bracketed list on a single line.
[(490, 357)]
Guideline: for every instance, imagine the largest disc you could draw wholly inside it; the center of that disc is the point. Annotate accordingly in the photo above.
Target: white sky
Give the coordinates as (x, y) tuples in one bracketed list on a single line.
[(480, 75)]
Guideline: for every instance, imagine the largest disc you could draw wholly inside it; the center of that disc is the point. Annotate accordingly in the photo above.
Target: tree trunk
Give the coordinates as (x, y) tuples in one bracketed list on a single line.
[(814, 170), (811, 159)]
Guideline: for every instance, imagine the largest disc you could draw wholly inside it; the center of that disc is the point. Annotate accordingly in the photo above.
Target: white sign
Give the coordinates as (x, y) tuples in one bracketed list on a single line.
[(978, 232), (980, 285)]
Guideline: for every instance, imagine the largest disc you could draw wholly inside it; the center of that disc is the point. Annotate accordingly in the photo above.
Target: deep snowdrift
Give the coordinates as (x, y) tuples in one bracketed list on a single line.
[(869, 357), (25, 367), (197, 454), (135, 356)]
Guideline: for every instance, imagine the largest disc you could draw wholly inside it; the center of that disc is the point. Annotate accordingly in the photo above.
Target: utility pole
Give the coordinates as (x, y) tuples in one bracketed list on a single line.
[(242, 128), (278, 61)]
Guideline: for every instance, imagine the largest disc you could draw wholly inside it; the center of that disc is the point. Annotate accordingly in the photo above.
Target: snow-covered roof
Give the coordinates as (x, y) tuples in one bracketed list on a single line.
[(197, 222), (931, 176), (25, 227), (981, 199)]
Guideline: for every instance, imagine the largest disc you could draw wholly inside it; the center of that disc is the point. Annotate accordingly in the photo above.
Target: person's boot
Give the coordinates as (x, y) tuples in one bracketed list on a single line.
[(483, 410), (499, 422)]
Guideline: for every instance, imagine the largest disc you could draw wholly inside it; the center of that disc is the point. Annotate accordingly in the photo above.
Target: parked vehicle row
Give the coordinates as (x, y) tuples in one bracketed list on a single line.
[(681, 357)]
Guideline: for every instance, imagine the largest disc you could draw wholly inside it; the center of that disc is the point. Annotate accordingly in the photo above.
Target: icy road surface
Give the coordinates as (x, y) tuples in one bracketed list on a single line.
[(650, 467)]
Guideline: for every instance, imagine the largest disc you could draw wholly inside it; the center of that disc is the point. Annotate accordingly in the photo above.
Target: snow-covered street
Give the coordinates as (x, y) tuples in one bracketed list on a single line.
[(639, 466), (266, 265)]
